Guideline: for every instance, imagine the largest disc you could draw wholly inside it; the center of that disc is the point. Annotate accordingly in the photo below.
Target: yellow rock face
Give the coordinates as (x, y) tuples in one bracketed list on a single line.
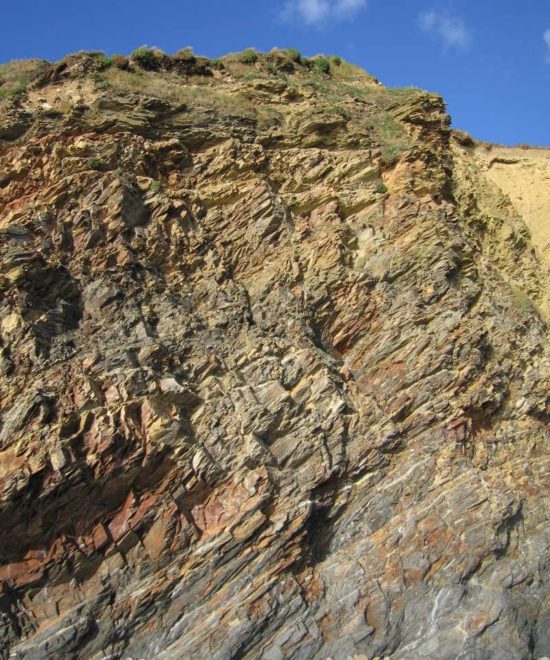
[(524, 175)]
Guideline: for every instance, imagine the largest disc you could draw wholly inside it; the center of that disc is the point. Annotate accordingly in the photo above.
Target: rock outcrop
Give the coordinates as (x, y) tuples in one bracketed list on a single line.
[(275, 369)]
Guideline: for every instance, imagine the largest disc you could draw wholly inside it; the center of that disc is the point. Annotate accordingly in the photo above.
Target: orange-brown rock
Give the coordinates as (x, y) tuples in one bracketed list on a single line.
[(275, 370)]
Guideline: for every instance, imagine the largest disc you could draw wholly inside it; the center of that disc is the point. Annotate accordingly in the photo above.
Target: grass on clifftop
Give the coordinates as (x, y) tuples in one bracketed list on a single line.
[(15, 76), (273, 88), (196, 92)]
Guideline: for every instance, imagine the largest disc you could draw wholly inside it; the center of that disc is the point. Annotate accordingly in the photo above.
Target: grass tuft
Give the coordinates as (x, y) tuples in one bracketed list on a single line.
[(249, 56), (294, 54), (146, 57), (322, 65), (185, 54), (95, 164)]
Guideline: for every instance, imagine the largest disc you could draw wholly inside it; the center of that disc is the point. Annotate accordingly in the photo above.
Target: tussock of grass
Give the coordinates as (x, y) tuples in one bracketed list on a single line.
[(147, 57), (249, 56), (101, 59), (321, 65), (185, 54), (294, 54), (95, 164)]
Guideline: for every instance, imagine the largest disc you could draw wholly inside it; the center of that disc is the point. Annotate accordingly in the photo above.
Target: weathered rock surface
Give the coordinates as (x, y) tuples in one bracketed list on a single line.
[(275, 373)]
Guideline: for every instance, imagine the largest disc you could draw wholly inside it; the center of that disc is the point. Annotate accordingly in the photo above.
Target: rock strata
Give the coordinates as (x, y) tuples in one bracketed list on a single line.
[(275, 370)]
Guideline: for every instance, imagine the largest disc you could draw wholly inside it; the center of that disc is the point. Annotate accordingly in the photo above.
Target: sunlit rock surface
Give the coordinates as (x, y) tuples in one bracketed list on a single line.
[(275, 370)]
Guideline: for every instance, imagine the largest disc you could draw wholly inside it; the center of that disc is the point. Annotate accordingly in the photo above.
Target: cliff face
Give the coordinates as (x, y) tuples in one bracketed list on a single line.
[(275, 369)]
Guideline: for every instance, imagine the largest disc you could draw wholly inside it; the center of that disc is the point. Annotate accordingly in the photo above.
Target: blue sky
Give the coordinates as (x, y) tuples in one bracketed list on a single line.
[(490, 59)]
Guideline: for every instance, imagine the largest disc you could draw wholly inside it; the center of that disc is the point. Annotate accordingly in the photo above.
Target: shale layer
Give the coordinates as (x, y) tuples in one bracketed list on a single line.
[(275, 368)]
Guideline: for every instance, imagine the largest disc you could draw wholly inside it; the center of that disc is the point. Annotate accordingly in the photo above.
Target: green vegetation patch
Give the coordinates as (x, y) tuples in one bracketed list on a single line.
[(95, 164), (148, 58), (390, 135), (185, 54), (194, 92), (9, 92), (249, 56), (102, 60), (322, 65), (15, 76), (294, 54)]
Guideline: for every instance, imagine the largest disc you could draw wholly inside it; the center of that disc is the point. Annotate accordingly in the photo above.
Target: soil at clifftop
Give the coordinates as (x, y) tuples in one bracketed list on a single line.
[(275, 367)]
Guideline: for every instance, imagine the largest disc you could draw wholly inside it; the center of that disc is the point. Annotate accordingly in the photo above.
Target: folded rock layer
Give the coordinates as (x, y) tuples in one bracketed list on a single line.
[(275, 369)]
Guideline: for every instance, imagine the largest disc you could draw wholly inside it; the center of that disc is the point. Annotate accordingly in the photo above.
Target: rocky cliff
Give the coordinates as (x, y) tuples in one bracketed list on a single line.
[(275, 367)]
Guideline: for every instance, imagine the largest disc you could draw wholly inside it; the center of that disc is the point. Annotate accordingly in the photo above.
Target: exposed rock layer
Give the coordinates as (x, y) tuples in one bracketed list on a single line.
[(276, 373), (524, 175)]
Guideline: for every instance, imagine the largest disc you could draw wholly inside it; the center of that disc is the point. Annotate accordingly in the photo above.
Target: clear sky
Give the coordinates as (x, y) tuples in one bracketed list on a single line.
[(490, 59)]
